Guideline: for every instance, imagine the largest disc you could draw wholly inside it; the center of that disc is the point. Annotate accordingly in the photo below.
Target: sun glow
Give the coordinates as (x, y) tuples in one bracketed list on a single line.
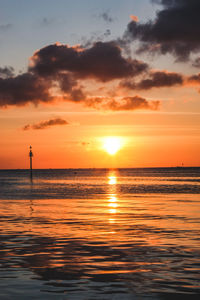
[(112, 145)]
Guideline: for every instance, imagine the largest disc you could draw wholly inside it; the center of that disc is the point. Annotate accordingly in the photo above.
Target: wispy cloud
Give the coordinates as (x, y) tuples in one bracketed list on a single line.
[(124, 104), (156, 79), (47, 21), (106, 17), (45, 124)]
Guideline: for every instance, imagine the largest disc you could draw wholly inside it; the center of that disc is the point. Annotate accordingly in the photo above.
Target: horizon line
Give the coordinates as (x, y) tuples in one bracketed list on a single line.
[(103, 168)]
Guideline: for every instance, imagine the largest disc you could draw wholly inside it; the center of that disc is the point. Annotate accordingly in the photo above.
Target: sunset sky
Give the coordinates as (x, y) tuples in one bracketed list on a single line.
[(92, 83)]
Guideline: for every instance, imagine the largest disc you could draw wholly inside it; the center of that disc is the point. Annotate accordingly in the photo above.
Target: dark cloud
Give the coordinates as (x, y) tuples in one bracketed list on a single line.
[(46, 124), (103, 62), (106, 17), (57, 71), (107, 33), (23, 89), (194, 78), (175, 30), (155, 80), (77, 95), (196, 62), (65, 80), (125, 104), (94, 38), (6, 72), (35, 88), (32, 88)]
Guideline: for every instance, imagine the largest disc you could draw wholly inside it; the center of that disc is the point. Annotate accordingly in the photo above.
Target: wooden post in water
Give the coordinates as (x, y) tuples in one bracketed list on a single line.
[(31, 155)]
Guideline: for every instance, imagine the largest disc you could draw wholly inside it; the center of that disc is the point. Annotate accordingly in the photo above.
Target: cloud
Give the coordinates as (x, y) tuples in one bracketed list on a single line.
[(23, 89), (175, 30), (103, 61), (124, 104), (6, 72), (77, 95), (46, 124), (155, 80), (134, 18), (58, 72), (196, 62), (106, 17), (194, 78), (107, 33), (47, 21), (95, 37)]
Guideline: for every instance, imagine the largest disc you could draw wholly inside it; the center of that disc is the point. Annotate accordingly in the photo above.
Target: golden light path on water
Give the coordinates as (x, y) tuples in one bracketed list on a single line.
[(142, 242), (112, 200)]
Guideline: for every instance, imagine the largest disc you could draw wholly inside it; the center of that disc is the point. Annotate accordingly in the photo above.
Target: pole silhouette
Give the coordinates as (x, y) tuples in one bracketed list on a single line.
[(31, 155)]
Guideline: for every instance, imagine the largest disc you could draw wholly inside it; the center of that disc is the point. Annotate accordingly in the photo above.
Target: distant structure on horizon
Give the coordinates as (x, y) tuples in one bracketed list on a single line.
[(31, 155)]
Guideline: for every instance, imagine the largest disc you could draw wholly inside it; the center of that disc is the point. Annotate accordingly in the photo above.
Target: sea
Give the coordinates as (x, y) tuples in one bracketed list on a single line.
[(100, 234)]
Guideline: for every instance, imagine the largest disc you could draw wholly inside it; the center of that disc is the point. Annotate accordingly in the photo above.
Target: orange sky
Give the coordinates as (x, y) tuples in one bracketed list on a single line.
[(149, 139)]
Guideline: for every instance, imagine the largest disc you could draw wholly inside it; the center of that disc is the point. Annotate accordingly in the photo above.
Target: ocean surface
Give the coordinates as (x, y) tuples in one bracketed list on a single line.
[(100, 234)]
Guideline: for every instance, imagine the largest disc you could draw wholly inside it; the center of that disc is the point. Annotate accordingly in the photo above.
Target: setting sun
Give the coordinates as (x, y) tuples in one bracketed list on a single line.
[(112, 145)]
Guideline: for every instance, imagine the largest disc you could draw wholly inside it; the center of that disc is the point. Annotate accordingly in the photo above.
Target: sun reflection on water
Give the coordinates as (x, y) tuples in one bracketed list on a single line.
[(112, 180), (113, 205), (113, 211), (112, 199), (109, 244), (112, 202), (111, 221)]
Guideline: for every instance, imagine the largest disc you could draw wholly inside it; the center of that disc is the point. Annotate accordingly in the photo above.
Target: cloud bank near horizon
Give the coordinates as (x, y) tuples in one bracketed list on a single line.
[(64, 69)]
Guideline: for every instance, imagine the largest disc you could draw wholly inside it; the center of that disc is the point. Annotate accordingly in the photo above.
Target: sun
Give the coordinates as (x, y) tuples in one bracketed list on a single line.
[(112, 144)]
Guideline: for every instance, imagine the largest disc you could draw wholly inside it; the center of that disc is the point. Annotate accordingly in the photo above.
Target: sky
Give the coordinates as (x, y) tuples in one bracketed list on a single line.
[(93, 83)]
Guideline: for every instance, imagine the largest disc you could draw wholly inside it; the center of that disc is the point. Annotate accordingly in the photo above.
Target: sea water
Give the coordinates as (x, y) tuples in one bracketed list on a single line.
[(100, 234)]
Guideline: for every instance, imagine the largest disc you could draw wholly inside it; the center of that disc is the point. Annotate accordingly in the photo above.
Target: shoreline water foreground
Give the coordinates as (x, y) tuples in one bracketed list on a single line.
[(103, 234)]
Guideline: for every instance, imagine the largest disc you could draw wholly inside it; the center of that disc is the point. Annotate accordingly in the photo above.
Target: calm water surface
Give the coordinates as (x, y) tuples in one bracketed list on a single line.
[(100, 234)]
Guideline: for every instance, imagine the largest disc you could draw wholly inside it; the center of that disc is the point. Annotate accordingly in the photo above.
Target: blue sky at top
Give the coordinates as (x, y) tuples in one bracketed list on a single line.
[(27, 25)]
